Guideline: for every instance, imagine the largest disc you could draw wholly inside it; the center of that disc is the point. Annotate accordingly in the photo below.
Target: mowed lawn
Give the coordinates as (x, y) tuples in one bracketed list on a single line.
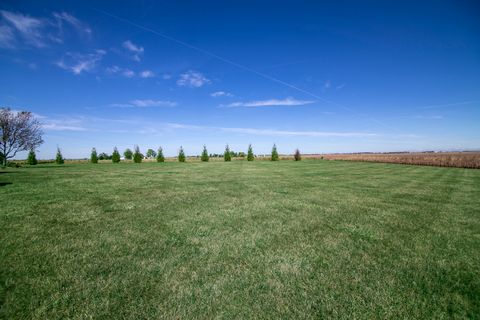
[(243, 240)]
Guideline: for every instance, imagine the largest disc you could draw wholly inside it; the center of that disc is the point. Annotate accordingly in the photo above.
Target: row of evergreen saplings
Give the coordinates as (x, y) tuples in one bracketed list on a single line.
[(137, 156)]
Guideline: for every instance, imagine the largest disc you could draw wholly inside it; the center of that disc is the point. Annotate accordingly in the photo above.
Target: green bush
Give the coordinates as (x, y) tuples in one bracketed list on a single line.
[(137, 156), (227, 155), (297, 156), (274, 156), (151, 154), (59, 157), (115, 155), (204, 156), (181, 155), (94, 156), (32, 158), (160, 157), (128, 154), (250, 155)]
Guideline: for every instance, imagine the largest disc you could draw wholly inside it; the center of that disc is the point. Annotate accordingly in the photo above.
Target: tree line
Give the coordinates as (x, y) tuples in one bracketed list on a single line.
[(137, 156)]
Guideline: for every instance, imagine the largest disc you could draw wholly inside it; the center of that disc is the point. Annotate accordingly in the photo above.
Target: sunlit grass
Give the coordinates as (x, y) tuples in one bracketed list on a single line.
[(289, 239)]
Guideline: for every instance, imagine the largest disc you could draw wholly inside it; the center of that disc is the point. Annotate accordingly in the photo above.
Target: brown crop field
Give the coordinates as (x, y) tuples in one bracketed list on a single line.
[(441, 159)]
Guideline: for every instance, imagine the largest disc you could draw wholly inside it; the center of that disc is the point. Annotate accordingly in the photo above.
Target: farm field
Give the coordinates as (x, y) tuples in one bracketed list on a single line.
[(260, 239), (439, 159)]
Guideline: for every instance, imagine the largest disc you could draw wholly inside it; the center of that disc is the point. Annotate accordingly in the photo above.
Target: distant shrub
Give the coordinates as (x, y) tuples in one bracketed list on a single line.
[(204, 156), (137, 156), (94, 156), (297, 156), (151, 154), (227, 155), (32, 158), (160, 157), (181, 155), (128, 154), (104, 156), (59, 157), (274, 156), (250, 155), (115, 155)]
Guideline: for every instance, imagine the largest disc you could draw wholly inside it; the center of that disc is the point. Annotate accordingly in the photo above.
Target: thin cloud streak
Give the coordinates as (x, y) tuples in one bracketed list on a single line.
[(272, 132), (450, 104), (271, 102)]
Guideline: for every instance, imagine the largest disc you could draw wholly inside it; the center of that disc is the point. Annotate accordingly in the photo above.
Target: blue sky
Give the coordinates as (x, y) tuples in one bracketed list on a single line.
[(337, 76)]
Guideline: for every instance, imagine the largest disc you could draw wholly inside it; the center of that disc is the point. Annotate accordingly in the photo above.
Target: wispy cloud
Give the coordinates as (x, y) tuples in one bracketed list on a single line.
[(153, 103), (221, 94), (121, 71), (192, 79), (135, 49), (327, 85), (145, 103), (7, 38), (272, 132), (79, 63), (432, 117), (27, 27), (147, 74), (434, 106), (17, 28), (129, 73), (270, 103), (62, 18), (63, 124)]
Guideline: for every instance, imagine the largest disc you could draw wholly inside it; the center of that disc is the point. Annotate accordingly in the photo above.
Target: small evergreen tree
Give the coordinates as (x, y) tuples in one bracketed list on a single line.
[(181, 155), (115, 155), (94, 156), (227, 155), (204, 156), (32, 158), (151, 154), (297, 156), (274, 153), (160, 157), (250, 155), (59, 158), (137, 156), (128, 154)]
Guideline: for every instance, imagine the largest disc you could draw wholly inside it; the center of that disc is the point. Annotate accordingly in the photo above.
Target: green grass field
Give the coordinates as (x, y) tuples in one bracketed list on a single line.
[(241, 240)]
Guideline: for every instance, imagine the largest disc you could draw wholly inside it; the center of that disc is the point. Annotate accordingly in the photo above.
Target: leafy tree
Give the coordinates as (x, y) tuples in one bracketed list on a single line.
[(160, 157), (181, 155), (274, 153), (94, 156), (250, 155), (297, 156), (19, 131), (204, 156), (151, 153), (59, 158), (115, 155), (137, 156), (104, 156), (227, 155), (32, 158), (128, 154)]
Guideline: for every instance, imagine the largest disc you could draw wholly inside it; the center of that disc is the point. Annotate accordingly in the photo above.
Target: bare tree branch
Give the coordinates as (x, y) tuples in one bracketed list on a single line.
[(19, 131)]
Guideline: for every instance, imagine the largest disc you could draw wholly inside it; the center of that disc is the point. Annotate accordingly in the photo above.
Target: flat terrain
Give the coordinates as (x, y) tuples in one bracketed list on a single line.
[(440, 159), (242, 240)]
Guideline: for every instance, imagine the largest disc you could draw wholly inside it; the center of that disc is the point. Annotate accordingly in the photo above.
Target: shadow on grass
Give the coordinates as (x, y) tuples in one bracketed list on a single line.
[(3, 184)]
